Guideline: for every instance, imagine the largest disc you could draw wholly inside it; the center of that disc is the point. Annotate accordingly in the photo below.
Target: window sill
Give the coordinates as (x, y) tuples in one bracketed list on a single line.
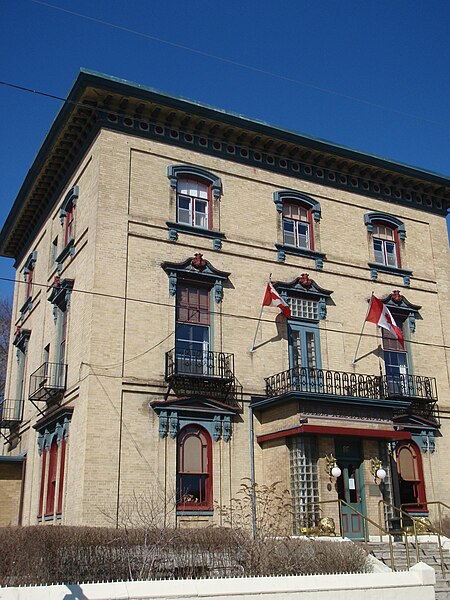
[(68, 250), (284, 249), (195, 513), (376, 268), (176, 228)]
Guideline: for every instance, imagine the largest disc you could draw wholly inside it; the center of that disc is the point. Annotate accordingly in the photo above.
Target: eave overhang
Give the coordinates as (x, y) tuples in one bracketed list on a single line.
[(97, 101), (325, 430)]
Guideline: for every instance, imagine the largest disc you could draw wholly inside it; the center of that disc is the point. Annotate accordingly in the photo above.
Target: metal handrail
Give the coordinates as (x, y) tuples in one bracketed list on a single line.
[(366, 520), (383, 503), (437, 532)]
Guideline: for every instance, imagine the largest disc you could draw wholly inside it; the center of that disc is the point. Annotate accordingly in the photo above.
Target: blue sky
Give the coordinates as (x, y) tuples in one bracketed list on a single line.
[(370, 76)]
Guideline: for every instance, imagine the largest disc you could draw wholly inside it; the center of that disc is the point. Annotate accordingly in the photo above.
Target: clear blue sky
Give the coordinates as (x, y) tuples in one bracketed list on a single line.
[(372, 76)]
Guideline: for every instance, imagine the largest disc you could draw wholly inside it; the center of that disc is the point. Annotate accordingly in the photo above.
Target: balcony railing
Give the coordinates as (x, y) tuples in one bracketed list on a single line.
[(203, 373), (338, 383), (48, 383), (11, 413), (198, 363)]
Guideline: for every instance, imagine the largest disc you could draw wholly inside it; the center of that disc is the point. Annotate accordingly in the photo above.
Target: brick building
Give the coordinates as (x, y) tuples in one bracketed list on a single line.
[(144, 236)]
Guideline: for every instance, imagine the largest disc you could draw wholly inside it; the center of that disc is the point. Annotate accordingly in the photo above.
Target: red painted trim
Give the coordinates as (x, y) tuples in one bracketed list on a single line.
[(397, 248), (311, 229), (41, 493), (382, 434), (51, 479), (207, 503), (62, 465)]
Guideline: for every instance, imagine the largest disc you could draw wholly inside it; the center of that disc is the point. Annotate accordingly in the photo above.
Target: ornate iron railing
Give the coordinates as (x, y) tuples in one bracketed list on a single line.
[(198, 363), (48, 382), (11, 413), (339, 383)]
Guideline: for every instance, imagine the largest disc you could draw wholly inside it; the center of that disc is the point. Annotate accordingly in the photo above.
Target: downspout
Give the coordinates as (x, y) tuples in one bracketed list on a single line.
[(252, 474)]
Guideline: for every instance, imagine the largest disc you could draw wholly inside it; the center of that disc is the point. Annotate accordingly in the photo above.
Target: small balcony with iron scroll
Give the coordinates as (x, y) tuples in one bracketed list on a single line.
[(11, 415), (48, 383), (203, 373), (405, 394)]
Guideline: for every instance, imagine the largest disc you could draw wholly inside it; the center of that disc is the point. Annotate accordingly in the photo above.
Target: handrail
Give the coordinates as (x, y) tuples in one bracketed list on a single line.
[(365, 518), (433, 530), (383, 503)]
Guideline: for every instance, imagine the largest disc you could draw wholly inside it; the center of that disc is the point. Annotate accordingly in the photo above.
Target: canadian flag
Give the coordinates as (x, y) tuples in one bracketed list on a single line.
[(381, 316), (273, 298)]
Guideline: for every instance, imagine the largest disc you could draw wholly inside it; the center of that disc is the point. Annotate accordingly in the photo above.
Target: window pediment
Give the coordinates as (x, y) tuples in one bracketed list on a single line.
[(176, 171), (305, 288), (60, 293), (196, 269), (292, 196), (373, 218)]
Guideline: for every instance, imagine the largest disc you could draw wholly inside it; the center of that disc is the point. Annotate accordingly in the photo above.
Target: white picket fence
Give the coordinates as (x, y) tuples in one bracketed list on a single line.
[(415, 584)]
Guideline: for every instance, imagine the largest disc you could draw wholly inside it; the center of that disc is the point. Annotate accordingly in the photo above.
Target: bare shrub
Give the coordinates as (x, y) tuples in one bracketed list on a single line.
[(45, 555), (273, 510)]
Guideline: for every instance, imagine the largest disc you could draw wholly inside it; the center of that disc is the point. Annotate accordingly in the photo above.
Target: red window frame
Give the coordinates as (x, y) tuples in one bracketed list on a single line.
[(69, 220), (204, 475), (193, 304), (309, 220), (418, 481), (62, 464), (29, 282), (51, 478), (41, 493), (383, 240), (193, 198)]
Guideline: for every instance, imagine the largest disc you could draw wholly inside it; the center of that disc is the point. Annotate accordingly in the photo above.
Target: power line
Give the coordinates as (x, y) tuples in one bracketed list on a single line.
[(240, 64), (108, 111), (210, 312)]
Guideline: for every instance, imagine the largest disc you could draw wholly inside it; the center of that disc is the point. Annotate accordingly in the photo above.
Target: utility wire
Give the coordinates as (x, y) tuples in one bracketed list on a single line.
[(108, 111), (240, 64), (210, 312)]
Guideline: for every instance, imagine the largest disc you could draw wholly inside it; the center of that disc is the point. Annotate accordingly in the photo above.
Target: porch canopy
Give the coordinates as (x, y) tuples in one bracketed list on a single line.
[(381, 434)]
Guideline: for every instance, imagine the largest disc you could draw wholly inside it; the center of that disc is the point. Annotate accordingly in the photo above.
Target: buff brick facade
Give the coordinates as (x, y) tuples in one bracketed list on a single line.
[(119, 425)]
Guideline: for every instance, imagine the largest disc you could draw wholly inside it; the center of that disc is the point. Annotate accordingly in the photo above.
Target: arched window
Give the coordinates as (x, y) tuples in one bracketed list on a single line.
[(67, 215), (385, 245), (411, 480), (299, 214), (297, 226), (195, 190), (386, 232), (194, 469)]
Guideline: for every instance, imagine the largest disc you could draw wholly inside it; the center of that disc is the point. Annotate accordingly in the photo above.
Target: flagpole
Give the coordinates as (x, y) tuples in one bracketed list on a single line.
[(362, 329), (252, 349)]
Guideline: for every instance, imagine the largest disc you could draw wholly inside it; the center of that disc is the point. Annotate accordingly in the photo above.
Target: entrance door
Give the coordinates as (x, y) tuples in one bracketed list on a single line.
[(351, 487)]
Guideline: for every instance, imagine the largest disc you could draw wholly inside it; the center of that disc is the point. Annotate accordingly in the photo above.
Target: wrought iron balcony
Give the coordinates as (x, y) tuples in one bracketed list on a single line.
[(204, 373), (415, 388), (48, 383), (11, 413)]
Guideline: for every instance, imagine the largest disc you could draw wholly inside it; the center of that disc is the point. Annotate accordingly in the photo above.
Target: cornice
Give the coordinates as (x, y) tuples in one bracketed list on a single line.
[(97, 101)]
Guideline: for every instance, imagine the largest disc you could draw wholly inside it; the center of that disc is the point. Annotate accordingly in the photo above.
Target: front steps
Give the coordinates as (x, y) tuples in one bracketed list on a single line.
[(428, 553)]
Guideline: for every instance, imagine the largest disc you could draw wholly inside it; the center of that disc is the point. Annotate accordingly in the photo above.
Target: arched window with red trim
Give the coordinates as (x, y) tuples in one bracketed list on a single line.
[(386, 232), (194, 469), (297, 225), (410, 475), (385, 245), (194, 205), (196, 190)]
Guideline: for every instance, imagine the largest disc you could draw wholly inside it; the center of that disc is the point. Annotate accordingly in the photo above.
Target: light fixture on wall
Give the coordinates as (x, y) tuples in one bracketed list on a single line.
[(376, 468), (331, 466)]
